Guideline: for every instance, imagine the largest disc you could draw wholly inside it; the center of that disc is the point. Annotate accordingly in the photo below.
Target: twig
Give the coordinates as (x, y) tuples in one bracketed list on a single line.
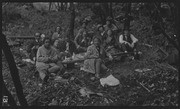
[(143, 86), (4, 5), (147, 45)]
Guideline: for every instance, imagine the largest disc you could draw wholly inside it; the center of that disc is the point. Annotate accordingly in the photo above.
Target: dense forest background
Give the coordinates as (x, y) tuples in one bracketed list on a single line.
[(154, 24)]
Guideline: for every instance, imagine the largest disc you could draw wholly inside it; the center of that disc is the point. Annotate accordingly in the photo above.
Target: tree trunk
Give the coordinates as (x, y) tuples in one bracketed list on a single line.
[(111, 11), (50, 3), (13, 71), (6, 92), (104, 11), (5, 20), (162, 27), (65, 6), (1, 83), (58, 6), (177, 22), (71, 25), (127, 16), (62, 7)]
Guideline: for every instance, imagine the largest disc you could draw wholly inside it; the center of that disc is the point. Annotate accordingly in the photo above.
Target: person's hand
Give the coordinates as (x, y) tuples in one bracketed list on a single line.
[(132, 45), (78, 46), (125, 42), (110, 58)]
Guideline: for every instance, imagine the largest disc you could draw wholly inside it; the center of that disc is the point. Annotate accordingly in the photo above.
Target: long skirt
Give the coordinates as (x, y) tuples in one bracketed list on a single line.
[(44, 69)]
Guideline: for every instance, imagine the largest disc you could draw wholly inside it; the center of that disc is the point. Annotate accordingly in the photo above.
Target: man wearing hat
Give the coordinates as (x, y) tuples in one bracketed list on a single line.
[(109, 25), (56, 34), (100, 32), (33, 46), (82, 41), (127, 41)]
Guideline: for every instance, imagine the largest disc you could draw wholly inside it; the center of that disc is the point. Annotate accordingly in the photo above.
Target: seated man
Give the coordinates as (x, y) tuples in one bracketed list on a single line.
[(59, 46), (100, 32), (56, 34), (109, 25), (46, 60), (70, 46), (82, 40), (127, 41), (33, 46)]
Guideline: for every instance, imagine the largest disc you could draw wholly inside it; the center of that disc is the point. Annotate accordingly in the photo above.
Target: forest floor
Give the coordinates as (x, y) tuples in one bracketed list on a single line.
[(154, 84)]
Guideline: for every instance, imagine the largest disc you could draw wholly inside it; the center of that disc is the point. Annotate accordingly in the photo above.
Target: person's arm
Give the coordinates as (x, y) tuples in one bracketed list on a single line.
[(121, 41), (40, 57), (54, 55), (114, 27), (134, 39), (108, 55)]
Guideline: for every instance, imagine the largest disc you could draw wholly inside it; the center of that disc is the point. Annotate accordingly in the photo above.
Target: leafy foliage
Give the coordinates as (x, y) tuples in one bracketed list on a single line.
[(161, 80)]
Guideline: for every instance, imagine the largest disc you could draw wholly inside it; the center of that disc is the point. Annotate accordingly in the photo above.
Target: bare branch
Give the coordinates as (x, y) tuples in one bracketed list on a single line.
[(4, 5), (163, 29)]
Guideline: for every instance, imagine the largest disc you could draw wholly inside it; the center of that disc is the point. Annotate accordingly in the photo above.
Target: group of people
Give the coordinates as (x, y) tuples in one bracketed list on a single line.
[(51, 51)]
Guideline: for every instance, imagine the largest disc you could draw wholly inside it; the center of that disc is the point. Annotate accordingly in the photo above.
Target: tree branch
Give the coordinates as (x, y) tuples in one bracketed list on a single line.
[(163, 30), (4, 5), (13, 70), (11, 100)]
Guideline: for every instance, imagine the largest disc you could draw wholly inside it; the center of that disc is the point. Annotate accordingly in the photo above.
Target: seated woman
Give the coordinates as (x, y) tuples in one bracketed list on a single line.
[(95, 53), (46, 60), (109, 25), (109, 41), (56, 34), (127, 41), (100, 32), (82, 40), (70, 46)]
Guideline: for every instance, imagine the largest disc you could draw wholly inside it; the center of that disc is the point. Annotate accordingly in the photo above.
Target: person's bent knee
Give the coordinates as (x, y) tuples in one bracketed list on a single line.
[(54, 69)]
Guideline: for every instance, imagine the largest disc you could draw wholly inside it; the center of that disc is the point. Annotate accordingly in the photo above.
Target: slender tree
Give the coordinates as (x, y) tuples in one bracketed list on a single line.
[(71, 24), (127, 16), (6, 92), (50, 4), (111, 10), (13, 71), (62, 6)]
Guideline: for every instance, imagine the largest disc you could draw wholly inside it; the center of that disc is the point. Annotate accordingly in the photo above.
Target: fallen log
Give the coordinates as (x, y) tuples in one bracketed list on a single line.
[(81, 60), (20, 37)]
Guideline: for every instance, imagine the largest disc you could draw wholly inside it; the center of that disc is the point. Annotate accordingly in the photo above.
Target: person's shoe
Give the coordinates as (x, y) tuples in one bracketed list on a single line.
[(92, 78)]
